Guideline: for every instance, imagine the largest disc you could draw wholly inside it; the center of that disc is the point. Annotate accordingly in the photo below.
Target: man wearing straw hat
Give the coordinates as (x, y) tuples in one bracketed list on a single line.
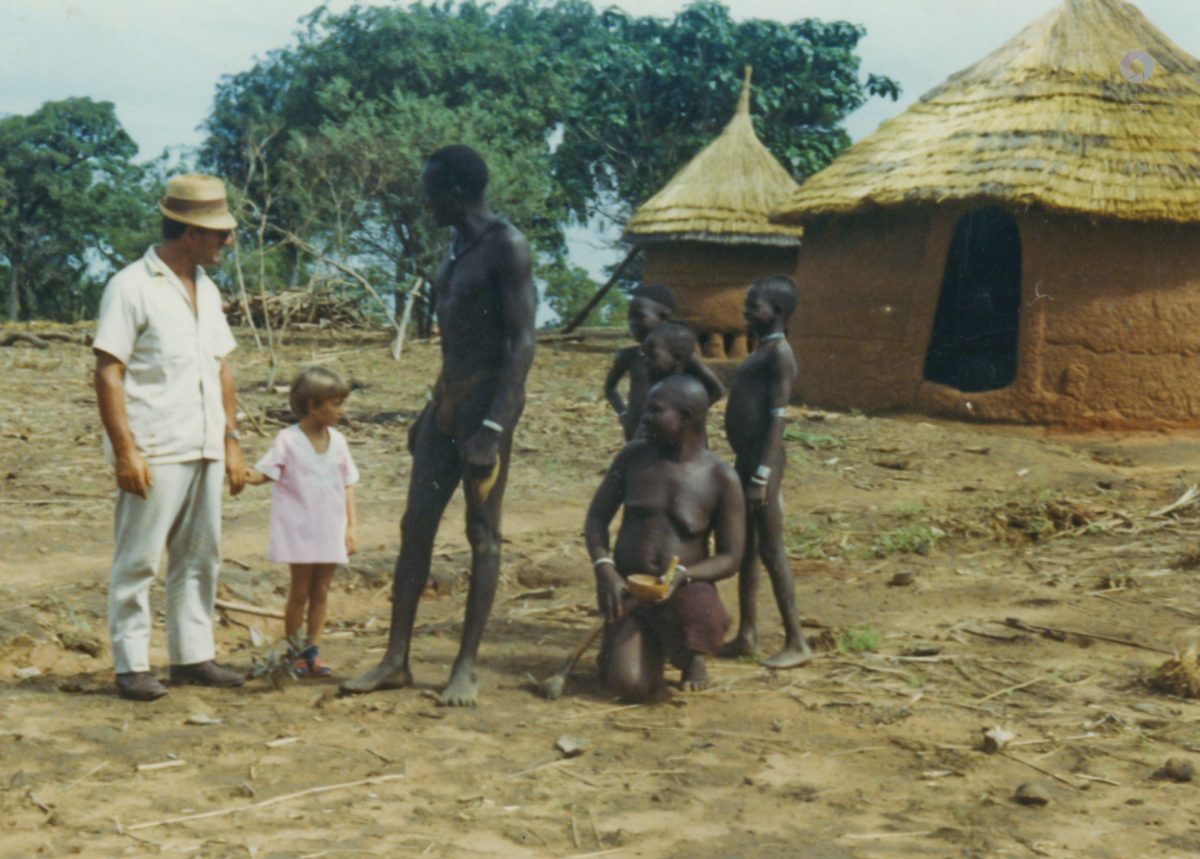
[(167, 401)]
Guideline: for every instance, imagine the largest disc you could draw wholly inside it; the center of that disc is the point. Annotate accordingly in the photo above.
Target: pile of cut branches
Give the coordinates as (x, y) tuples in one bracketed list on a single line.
[(299, 307)]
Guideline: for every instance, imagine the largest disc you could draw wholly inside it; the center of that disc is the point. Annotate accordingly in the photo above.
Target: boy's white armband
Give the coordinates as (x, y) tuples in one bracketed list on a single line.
[(495, 427), (779, 413), (604, 560)]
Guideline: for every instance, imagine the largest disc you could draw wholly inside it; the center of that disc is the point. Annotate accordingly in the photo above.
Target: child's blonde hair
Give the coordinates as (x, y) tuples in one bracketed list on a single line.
[(314, 386)]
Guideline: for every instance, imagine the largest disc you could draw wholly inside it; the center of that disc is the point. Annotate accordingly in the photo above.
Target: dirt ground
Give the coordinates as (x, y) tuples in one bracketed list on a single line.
[(874, 750)]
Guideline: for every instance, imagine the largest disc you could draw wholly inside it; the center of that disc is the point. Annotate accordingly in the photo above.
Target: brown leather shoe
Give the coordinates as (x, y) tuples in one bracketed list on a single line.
[(207, 673), (140, 686)]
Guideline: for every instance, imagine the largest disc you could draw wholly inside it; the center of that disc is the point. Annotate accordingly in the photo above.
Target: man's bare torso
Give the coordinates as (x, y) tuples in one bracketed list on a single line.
[(470, 305), (669, 510)]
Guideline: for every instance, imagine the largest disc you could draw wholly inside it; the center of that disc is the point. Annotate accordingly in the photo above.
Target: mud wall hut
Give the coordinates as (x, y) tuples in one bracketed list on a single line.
[(707, 234), (1021, 243)]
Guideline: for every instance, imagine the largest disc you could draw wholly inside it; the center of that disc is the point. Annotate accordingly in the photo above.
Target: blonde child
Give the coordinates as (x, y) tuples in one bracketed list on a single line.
[(313, 526)]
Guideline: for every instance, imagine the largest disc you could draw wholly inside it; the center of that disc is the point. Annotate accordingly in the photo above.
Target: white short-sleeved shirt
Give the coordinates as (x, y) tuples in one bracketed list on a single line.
[(308, 498), (172, 356)]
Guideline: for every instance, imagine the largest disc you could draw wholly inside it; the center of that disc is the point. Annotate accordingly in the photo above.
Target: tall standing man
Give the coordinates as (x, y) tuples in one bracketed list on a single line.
[(485, 302), (168, 404)]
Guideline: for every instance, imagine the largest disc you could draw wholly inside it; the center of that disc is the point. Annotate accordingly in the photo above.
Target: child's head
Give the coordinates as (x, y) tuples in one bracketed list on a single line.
[(667, 349), (675, 405), (651, 305), (315, 387), (770, 300)]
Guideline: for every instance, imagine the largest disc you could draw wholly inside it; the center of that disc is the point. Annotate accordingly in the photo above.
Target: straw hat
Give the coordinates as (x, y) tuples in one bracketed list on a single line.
[(197, 200)]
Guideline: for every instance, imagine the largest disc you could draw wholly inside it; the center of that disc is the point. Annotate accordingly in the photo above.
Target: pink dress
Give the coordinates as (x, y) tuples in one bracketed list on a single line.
[(308, 498)]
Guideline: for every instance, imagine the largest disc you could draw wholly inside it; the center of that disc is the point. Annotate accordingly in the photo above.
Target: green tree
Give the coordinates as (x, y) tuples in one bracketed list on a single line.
[(576, 111), (655, 92), (566, 288), (72, 206)]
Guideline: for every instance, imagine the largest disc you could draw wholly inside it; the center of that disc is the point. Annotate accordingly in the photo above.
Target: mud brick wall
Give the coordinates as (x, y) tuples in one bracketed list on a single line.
[(710, 280), (1109, 330)]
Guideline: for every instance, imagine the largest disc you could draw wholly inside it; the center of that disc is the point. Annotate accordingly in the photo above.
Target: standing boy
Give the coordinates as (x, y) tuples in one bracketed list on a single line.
[(168, 404), (651, 305), (754, 425), (676, 495)]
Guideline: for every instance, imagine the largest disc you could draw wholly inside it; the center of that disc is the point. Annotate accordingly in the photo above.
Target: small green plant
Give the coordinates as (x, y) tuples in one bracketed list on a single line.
[(274, 663), (814, 441), (858, 639), (917, 537), (911, 510), (808, 541)]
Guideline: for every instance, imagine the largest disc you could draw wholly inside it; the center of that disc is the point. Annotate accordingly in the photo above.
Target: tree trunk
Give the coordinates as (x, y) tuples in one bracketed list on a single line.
[(14, 299), (293, 263), (424, 310), (398, 292)]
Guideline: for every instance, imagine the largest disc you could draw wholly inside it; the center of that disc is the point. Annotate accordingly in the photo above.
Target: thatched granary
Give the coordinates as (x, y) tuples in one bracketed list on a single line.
[(707, 234), (1021, 244)]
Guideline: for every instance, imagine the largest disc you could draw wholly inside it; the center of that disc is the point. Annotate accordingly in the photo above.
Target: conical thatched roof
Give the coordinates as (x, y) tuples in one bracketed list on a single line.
[(724, 194), (1049, 119)]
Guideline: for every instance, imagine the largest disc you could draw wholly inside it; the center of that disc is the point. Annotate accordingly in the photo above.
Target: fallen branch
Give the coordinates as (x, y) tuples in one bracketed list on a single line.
[(273, 801), (23, 337), (344, 269), (1188, 497), (249, 609), (1017, 623), (258, 427), (1013, 688), (1042, 770)]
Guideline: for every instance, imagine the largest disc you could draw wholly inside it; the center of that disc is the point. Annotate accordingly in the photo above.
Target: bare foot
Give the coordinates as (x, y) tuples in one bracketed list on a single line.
[(745, 644), (792, 656), (695, 676), (462, 689), (382, 676)]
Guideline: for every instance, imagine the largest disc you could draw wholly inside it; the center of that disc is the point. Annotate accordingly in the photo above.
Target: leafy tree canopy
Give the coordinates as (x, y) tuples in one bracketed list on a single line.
[(577, 111), (73, 208)]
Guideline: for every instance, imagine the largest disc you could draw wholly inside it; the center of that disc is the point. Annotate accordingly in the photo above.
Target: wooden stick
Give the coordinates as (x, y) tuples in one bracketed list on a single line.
[(258, 428), (558, 762), (1042, 770), (264, 803), (32, 339), (892, 834), (595, 853), (161, 765), (90, 772), (249, 609), (603, 291), (1017, 623), (1013, 688), (1098, 778)]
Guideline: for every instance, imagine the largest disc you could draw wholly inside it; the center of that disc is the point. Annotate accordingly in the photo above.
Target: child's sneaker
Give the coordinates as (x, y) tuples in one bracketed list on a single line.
[(299, 663), (314, 667)]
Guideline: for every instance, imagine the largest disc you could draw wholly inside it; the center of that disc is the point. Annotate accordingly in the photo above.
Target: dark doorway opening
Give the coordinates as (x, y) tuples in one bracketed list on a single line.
[(974, 343)]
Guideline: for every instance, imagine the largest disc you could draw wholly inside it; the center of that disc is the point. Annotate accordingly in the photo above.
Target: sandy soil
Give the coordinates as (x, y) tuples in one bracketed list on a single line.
[(872, 751)]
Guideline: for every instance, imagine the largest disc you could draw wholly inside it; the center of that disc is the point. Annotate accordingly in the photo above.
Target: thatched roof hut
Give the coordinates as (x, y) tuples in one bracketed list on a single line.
[(1016, 245), (708, 233)]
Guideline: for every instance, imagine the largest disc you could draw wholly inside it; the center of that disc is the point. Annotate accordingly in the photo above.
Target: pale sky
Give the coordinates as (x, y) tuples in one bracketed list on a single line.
[(159, 61)]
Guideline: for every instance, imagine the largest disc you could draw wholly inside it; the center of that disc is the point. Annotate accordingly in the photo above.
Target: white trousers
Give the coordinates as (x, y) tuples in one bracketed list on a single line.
[(182, 511)]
